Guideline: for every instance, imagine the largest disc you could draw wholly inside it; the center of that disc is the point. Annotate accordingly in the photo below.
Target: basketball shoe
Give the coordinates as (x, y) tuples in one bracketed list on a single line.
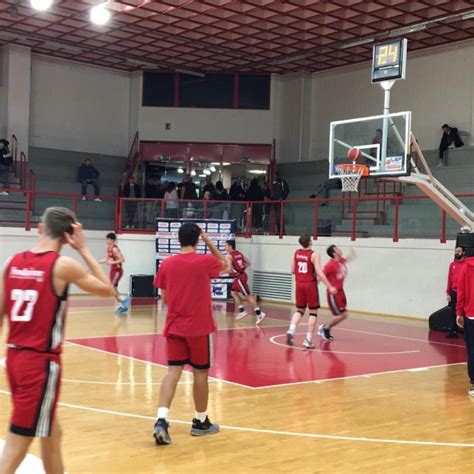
[(325, 333), (260, 317), (241, 315), (471, 391), (307, 344), (289, 339), (160, 432), (202, 428), (124, 306)]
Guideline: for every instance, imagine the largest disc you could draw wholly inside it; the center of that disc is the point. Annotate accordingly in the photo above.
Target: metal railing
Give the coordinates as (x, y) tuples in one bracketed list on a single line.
[(354, 217)]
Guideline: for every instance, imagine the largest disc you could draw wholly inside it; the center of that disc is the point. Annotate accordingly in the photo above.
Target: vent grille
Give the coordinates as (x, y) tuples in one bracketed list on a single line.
[(274, 286)]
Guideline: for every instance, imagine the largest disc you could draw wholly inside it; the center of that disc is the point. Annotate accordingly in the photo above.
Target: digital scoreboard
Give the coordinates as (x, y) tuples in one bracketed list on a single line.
[(389, 60)]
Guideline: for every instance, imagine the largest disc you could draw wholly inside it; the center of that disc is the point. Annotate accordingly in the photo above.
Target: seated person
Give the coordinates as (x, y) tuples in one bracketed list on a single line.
[(450, 136), (87, 174)]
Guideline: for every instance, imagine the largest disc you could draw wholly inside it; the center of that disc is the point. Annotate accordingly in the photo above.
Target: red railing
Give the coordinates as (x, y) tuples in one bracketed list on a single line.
[(252, 217), (132, 161)]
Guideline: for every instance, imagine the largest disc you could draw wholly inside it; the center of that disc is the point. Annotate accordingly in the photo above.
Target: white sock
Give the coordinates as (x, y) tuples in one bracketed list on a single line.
[(163, 413), (309, 336), (201, 416), (292, 328)]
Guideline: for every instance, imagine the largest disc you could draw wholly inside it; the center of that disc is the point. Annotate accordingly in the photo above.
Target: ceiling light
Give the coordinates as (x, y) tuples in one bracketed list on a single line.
[(213, 169), (226, 164), (207, 172), (258, 172), (193, 173), (216, 163), (467, 15), (41, 5), (360, 42), (100, 15), (202, 175), (409, 29), (190, 73), (290, 59), (180, 170)]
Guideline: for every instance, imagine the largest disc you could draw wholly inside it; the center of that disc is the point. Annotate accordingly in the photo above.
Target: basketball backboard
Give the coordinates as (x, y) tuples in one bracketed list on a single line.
[(384, 142)]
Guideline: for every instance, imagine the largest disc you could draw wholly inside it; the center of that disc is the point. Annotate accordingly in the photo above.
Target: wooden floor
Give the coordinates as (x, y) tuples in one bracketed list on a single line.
[(411, 420)]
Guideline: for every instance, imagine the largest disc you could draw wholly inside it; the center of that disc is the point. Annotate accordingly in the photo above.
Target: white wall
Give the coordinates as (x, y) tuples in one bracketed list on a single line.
[(438, 88), (209, 125), (79, 108), (406, 279)]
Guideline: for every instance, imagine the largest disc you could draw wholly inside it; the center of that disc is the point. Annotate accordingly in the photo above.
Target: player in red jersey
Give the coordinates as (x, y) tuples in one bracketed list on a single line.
[(240, 290), (185, 284), (306, 267), (115, 259), (336, 271), (33, 297)]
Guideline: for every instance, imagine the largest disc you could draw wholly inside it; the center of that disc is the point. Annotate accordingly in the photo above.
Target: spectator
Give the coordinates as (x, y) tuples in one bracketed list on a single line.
[(188, 189), (465, 314), (208, 186), (255, 194), (133, 191), (152, 191), (220, 194), (280, 191), (455, 268), (237, 193), (207, 196), (89, 175), (450, 136), (266, 207), (5, 165), (171, 201)]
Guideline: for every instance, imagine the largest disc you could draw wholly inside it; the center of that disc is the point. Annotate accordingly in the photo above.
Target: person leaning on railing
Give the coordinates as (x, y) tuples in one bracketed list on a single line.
[(5, 165), (133, 191)]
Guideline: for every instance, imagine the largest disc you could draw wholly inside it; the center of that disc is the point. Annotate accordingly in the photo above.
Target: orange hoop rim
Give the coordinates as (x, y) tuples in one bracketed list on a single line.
[(363, 170)]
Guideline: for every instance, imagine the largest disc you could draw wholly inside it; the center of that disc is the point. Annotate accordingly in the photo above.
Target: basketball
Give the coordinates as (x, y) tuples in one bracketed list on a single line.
[(354, 154)]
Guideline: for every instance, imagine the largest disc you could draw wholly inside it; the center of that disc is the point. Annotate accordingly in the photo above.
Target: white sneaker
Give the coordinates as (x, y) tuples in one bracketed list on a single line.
[(127, 227), (98, 200), (83, 198), (4, 193), (260, 317), (471, 391), (307, 344), (241, 315), (440, 164)]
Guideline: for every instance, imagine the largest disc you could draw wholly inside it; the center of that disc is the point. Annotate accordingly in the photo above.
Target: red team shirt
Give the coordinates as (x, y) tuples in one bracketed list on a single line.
[(336, 272), (110, 254), (304, 268), (237, 272), (35, 312), (186, 279)]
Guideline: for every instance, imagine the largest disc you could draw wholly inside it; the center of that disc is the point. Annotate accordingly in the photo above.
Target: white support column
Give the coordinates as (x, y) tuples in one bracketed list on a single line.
[(16, 79)]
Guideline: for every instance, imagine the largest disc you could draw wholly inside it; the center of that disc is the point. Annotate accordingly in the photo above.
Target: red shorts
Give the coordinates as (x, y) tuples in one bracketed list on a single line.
[(115, 275), (307, 295), (337, 303), (35, 380), (241, 285), (193, 350)]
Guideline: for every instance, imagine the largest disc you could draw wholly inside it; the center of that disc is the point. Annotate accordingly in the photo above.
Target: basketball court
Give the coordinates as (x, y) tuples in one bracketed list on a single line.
[(383, 395)]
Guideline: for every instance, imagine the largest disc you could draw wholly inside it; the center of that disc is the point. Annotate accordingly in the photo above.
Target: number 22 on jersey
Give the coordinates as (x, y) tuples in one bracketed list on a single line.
[(20, 297)]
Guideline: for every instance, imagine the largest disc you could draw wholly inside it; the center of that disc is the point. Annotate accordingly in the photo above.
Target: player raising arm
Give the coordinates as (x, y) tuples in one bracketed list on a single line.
[(306, 266), (33, 297), (336, 272)]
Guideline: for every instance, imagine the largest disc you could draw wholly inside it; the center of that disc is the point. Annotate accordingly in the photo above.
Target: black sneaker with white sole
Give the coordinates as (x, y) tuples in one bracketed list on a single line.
[(160, 432), (202, 428), (325, 333)]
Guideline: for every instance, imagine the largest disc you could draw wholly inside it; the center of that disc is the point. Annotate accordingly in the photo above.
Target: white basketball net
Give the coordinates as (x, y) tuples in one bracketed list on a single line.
[(350, 178)]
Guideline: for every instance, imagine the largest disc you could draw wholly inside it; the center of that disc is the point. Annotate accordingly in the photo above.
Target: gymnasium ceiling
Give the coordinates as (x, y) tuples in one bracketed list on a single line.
[(228, 35)]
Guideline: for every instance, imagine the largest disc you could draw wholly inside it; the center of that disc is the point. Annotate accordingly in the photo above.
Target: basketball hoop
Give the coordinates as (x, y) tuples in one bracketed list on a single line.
[(350, 175)]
